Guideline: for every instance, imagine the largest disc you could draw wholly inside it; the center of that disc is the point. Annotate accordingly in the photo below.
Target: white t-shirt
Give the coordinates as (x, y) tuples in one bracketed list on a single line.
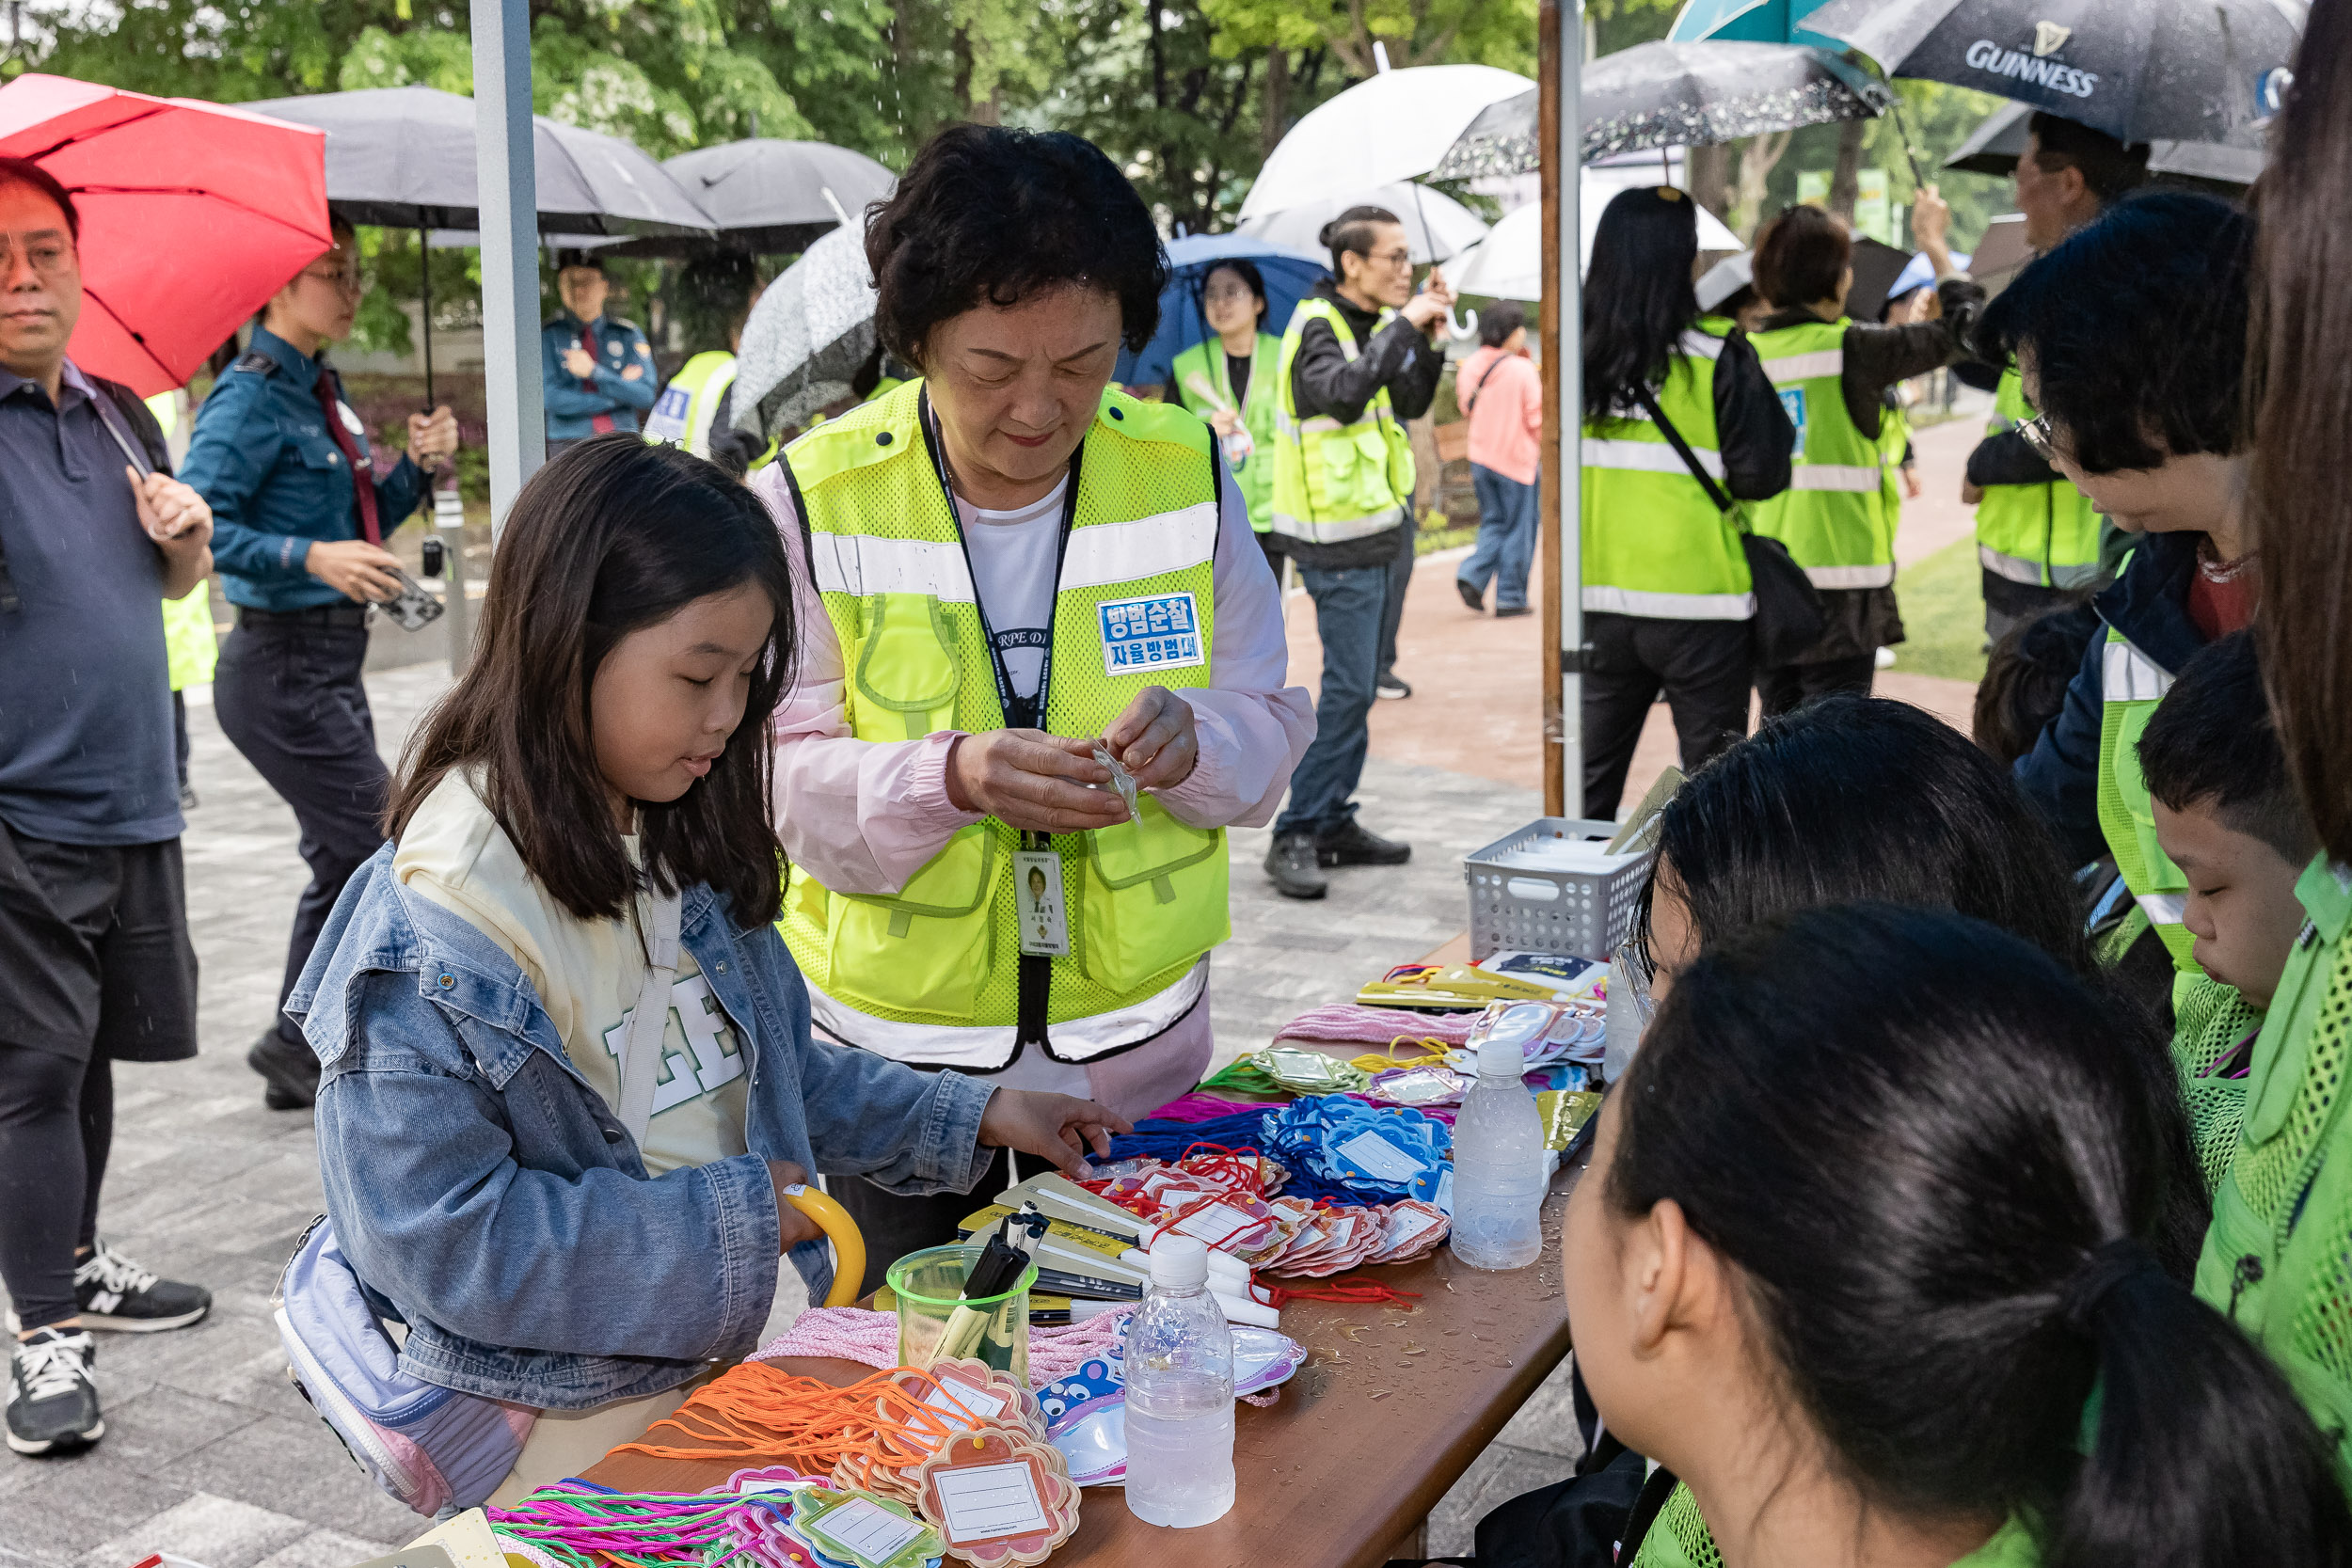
[(1013, 558), (587, 974)]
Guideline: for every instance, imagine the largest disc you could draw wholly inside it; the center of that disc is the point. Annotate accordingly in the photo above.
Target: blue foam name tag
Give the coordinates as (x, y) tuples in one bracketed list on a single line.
[(1793, 401), (1148, 635)]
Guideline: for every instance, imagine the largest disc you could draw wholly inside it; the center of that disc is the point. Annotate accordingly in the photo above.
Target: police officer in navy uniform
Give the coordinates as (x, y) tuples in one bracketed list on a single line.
[(598, 370), (298, 546)]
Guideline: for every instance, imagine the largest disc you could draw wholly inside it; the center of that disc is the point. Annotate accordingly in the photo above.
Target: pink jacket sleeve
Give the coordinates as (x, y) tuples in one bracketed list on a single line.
[(865, 815)]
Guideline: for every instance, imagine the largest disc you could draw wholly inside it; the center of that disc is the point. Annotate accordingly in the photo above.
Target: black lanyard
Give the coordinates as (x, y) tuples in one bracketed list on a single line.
[(1021, 713)]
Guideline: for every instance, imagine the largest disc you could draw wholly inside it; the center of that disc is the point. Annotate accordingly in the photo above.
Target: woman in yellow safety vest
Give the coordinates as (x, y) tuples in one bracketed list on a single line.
[(1832, 375), (1666, 595), (1017, 572), (1231, 381)]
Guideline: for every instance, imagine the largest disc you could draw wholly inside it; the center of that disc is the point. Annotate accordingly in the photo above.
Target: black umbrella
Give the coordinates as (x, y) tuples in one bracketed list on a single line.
[(777, 196), (1994, 147), (404, 158), (2142, 71), (1676, 95)]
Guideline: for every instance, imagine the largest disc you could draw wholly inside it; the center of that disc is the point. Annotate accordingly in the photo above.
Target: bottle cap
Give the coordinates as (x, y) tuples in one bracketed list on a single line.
[(1179, 1262), (1501, 1059)]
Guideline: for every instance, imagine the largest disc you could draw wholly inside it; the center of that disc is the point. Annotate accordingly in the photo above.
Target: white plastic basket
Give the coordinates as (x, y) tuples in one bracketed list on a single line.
[(1519, 902)]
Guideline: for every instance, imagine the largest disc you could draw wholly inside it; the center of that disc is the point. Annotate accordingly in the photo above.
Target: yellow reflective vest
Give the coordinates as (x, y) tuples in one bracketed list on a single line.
[(1204, 384), (1833, 516), (2044, 535), (932, 973), (1334, 481), (681, 415)]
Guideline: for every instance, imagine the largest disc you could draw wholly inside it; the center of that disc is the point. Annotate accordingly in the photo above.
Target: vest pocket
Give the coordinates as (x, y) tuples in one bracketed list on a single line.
[(928, 949), (907, 670), (1156, 895), (1353, 470)]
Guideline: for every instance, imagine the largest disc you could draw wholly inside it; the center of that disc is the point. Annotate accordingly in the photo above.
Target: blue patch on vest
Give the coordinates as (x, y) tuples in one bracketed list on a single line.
[(1139, 636), (1793, 401), (667, 423)]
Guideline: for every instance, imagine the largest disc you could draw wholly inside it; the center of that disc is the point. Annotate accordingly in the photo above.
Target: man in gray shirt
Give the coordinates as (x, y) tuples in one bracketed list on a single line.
[(95, 963)]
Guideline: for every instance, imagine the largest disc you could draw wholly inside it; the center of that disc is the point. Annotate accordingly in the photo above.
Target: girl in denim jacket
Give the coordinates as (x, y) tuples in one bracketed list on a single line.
[(473, 996)]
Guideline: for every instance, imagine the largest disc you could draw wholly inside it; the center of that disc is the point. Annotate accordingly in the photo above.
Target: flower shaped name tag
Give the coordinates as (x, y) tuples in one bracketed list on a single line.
[(1000, 1499), (865, 1531)]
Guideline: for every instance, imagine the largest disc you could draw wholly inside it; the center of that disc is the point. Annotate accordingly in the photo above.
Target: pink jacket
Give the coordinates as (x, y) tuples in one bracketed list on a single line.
[(1503, 396)]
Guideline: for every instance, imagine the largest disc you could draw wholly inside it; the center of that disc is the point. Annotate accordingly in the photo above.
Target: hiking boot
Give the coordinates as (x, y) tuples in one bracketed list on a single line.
[(1352, 845), (52, 1401), (1473, 596), (289, 1069), (1290, 862)]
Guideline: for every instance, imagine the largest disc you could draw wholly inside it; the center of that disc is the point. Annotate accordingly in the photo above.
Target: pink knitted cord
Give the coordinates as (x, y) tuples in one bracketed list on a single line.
[(1377, 1026), (854, 1334)]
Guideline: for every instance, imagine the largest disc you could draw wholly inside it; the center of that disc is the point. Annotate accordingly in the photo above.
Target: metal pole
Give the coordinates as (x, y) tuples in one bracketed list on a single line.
[(1548, 480), (1569, 457), (508, 194), (424, 300)]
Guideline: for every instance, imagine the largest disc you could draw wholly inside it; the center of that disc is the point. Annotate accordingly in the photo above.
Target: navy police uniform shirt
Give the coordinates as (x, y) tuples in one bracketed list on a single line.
[(277, 479), (580, 407)]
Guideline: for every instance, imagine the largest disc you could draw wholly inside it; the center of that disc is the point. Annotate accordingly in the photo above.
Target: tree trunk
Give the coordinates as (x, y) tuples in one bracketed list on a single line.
[(1844, 181), (1710, 178), (1757, 157), (1277, 93)]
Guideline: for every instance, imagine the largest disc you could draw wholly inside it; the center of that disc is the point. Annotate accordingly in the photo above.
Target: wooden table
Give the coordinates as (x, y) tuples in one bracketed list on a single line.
[(1389, 1410)]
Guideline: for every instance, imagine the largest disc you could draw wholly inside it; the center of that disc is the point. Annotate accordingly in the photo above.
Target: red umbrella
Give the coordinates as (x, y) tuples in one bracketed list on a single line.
[(193, 215)]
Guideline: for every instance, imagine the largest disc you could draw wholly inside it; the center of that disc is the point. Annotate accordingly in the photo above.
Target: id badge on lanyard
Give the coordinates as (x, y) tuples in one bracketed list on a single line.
[(1036, 898)]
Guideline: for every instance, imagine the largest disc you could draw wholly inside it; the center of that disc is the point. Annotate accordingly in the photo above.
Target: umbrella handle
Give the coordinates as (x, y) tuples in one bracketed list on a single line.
[(1462, 324)]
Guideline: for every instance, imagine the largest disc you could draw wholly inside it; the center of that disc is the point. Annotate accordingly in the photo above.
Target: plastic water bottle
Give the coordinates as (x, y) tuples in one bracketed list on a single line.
[(1180, 1393), (1624, 1022), (1498, 1165)]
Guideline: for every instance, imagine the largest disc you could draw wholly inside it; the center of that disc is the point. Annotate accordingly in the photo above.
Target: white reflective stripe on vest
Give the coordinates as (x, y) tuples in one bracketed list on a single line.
[(2165, 909), (1330, 532), (2128, 675), (1702, 345), (1841, 477), (1807, 367), (863, 565), (1851, 577), (1105, 553), (988, 1048), (1669, 607), (1649, 457), (2017, 569)]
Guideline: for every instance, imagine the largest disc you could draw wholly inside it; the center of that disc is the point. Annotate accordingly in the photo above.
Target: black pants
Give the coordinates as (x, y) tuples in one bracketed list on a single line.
[(894, 1226), (1392, 610), (1702, 667), (1785, 688), (289, 698), (56, 1124)]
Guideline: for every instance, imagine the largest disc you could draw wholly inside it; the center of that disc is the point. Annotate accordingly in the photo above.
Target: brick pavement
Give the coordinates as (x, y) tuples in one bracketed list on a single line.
[(211, 1456)]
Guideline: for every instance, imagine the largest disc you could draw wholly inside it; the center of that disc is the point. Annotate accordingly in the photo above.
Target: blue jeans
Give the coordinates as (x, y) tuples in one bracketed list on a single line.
[(1506, 538), (1348, 604)]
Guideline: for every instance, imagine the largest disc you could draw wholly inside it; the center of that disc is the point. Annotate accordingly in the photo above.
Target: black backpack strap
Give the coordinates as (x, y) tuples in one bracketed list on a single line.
[(1723, 503), (1480, 385)]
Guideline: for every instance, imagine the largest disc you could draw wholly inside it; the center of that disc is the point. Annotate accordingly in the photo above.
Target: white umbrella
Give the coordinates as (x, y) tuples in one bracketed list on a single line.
[(1509, 262), (1436, 226), (1392, 127)]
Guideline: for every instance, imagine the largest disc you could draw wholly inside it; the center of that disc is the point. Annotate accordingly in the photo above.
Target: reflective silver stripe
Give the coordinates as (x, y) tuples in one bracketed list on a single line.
[(1338, 531), (2017, 569), (2009, 566), (1106, 553), (1701, 345), (1649, 457), (1844, 478), (2128, 675), (991, 1047), (1669, 607), (2165, 909), (863, 564), (1807, 367), (1851, 577)]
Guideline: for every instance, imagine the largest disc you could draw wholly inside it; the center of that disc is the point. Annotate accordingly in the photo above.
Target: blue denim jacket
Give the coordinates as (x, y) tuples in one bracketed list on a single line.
[(494, 1200)]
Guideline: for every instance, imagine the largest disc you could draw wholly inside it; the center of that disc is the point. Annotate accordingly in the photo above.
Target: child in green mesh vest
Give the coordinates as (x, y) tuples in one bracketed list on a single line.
[(2227, 816)]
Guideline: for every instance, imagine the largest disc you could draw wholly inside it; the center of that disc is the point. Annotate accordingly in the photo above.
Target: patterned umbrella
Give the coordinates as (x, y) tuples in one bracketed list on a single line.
[(1676, 95), (807, 336)]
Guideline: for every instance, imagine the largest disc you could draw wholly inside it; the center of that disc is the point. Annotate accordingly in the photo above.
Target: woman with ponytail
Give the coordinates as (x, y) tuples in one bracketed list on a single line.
[(1865, 1257)]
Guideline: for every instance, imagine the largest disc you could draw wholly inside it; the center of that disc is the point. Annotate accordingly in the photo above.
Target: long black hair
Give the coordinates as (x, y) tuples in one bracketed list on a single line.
[(1854, 798), (612, 536), (1638, 297), (1911, 1134)]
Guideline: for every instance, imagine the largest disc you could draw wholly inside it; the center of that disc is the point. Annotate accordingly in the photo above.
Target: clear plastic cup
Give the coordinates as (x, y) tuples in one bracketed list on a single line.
[(928, 1286)]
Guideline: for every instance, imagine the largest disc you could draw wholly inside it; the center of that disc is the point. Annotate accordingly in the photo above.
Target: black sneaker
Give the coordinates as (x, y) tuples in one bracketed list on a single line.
[(52, 1401), (1507, 611), (1352, 845), (188, 798), (1391, 686), (1475, 597), (1291, 862), (289, 1069), (118, 1294)]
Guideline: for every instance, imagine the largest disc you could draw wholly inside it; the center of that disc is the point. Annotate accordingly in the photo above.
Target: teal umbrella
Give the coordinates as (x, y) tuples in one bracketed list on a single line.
[(1749, 21)]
